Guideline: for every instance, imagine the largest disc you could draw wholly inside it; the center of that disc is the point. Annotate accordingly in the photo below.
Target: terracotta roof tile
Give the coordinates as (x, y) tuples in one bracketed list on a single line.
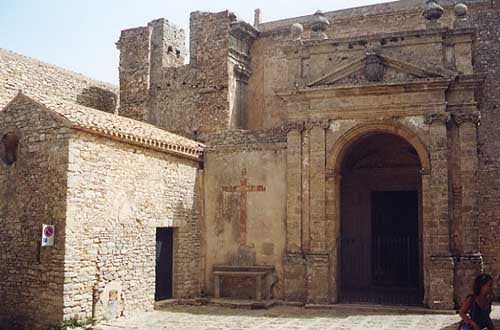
[(118, 127)]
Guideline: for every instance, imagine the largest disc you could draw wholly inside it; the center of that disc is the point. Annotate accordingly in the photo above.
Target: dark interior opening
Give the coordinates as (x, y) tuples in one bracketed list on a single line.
[(164, 263), (380, 210), (395, 239)]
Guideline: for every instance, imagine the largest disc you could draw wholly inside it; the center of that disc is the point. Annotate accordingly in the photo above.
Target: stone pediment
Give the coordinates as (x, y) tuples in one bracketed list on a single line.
[(374, 67)]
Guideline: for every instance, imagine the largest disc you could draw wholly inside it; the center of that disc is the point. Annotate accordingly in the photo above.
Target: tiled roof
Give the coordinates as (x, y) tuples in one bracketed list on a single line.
[(118, 127)]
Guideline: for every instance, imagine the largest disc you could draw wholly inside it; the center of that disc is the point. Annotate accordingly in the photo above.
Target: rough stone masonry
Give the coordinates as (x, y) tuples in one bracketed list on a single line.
[(353, 153)]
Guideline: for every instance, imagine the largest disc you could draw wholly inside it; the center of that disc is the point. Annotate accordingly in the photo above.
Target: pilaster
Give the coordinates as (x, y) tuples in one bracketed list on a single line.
[(294, 269), (317, 161), (306, 184), (294, 264), (468, 159), (333, 181), (317, 278), (294, 187), (438, 263), (468, 262), (436, 227)]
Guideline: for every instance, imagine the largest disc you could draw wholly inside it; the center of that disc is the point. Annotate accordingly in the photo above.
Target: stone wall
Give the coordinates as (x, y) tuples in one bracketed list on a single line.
[(21, 72), (186, 99), (144, 53), (245, 138), (194, 99), (135, 66), (259, 170), (32, 192), (115, 204), (378, 25), (487, 60), (352, 33)]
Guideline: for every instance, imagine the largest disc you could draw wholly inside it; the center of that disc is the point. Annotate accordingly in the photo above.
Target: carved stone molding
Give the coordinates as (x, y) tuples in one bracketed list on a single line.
[(309, 125), (374, 68), (242, 73), (293, 126), (468, 117), (441, 117), (321, 123), (324, 124)]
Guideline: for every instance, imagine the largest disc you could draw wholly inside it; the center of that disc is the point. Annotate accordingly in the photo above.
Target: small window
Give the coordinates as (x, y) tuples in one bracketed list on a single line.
[(8, 148), (170, 49)]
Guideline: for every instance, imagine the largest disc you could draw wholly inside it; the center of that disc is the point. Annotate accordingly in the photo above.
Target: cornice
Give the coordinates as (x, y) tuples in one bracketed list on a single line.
[(366, 89)]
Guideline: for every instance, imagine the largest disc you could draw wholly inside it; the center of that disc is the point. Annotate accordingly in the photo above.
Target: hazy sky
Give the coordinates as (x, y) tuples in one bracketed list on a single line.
[(81, 35)]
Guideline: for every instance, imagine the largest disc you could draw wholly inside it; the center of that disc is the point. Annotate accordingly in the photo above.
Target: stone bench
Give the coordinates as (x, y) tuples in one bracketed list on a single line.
[(259, 272)]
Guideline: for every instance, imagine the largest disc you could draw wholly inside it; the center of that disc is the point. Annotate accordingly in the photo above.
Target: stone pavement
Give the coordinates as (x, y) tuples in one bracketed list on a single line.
[(284, 317)]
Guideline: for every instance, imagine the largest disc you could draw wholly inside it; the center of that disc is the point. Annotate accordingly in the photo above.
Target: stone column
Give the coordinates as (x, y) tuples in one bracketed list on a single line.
[(469, 261), (438, 263), (317, 161), (316, 253), (294, 262), (306, 183), (294, 187), (333, 231), (467, 127)]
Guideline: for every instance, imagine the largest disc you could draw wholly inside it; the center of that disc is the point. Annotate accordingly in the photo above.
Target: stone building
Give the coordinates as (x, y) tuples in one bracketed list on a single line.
[(121, 194), (346, 156)]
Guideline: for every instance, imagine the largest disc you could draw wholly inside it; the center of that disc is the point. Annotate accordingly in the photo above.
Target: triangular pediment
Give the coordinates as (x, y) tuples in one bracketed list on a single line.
[(374, 67)]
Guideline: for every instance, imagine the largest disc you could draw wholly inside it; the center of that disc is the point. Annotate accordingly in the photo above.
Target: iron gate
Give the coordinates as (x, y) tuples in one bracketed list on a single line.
[(384, 270)]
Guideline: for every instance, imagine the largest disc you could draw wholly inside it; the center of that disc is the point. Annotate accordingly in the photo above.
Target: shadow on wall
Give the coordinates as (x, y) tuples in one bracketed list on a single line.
[(187, 245)]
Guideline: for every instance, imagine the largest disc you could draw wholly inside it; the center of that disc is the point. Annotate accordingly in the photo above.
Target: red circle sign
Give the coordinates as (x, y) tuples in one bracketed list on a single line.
[(48, 231)]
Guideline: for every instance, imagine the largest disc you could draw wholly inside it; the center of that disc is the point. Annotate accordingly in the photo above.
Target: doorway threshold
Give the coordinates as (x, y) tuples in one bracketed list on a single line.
[(393, 309)]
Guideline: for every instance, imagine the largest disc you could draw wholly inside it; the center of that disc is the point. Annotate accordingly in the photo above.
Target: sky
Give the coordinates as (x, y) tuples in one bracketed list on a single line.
[(81, 35)]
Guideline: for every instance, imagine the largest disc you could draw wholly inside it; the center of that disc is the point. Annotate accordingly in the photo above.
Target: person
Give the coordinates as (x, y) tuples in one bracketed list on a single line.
[(475, 311)]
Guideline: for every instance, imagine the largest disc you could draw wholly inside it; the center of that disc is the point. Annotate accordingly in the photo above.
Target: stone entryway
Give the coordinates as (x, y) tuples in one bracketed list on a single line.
[(380, 229), (164, 263)]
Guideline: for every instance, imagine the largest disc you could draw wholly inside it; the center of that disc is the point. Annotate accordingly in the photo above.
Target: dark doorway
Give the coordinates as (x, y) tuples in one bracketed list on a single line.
[(380, 231), (164, 262), (395, 258)]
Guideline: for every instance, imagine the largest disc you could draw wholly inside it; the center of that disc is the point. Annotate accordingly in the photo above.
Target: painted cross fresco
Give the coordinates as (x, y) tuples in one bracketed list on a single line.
[(243, 188)]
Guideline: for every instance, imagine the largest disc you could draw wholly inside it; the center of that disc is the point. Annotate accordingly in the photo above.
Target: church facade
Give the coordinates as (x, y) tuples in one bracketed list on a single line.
[(346, 156)]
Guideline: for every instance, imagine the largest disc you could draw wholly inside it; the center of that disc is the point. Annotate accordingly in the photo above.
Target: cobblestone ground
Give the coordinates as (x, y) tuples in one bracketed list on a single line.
[(283, 317)]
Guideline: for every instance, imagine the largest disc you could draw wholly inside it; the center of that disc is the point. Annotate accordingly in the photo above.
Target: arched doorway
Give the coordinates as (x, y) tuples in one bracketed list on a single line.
[(380, 221)]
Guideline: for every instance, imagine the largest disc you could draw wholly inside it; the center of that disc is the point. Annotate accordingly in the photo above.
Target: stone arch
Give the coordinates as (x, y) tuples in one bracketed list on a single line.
[(338, 151), (334, 161)]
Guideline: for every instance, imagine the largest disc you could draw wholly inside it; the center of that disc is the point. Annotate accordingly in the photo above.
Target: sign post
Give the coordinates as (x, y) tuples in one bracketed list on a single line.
[(48, 235)]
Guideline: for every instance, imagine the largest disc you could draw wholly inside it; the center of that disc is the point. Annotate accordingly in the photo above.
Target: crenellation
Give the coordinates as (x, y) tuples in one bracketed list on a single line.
[(167, 48), (135, 67)]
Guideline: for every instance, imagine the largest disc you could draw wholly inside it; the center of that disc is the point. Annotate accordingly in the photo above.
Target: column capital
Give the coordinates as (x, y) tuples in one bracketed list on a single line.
[(467, 117), (441, 117), (321, 123), (293, 126)]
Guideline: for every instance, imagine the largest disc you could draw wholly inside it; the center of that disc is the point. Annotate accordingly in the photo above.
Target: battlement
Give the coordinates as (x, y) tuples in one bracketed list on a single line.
[(157, 87)]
